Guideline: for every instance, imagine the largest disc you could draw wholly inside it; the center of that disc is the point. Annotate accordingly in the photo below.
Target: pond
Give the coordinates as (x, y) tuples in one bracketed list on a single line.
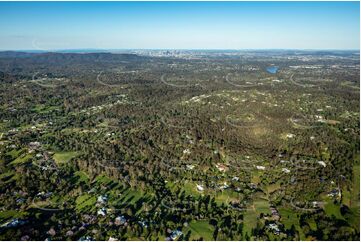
[(272, 69)]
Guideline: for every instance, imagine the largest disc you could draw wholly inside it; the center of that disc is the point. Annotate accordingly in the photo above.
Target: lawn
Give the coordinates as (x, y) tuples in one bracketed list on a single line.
[(312, 224), (200, 228), (85, 201), (256, 177), (82, 177), (190, 189), (131, 196), (262, 206), (6, 175), (15, 153), (226, 196), (250, 222), (64, 156), (22, 159), (273, 187), (103, 179), (41, 108), (4, 215), (332, 209), (289, 218)]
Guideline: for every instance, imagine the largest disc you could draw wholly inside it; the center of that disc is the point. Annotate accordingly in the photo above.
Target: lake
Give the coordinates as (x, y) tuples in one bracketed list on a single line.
[(272, 69)]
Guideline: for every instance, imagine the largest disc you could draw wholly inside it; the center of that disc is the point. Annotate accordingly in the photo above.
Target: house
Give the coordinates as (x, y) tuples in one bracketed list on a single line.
[(322, 163), (143, 224), (34, 145), (260, 167), (102, 211), (51, 232), (190, 167), (120, 220), (39, 155), (186, 152), (102, 199), (224, 186), (286, 170), (316, 204), (86, 238), (235, 178), (334, 193), (252, 186), (200, 188), (275, 214), (274, 228), (92, 190), (20, 200), (175, 234), (221, 167)]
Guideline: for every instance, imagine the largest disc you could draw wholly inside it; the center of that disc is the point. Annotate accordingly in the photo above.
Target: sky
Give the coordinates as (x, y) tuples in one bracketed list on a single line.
[(179, 25)]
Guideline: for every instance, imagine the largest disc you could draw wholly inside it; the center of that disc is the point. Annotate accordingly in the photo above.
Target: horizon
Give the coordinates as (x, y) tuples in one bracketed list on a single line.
[(168, 49), (57, 26)]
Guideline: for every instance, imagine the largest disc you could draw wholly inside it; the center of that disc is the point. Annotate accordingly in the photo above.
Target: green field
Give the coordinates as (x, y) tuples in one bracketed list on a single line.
[(250, 222), (82, 177), (85, 201), (200, 228), (289, 218), (64, 156), (22, 159)]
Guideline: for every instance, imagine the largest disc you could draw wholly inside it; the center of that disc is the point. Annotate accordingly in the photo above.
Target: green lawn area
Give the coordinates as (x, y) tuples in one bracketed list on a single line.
[(273, 187), (226, 196), (6, 175), (199, 229), (332, 209), (15, 153), (250, 222), (22, 159), (312, 224), (131, 196), (4, 215), (82, 177), (256, 177), (350, 197), (42, 108), (85, 201), (356, 186), (262, 206), (103, 179), (190, 188), (64, 156), (289, 218)]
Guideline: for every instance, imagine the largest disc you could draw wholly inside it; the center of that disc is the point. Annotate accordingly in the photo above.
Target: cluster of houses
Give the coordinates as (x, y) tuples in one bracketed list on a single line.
[(95, 109)]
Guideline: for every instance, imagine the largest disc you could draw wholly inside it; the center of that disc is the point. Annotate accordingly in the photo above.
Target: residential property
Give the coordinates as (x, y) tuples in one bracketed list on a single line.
[(200, 188)]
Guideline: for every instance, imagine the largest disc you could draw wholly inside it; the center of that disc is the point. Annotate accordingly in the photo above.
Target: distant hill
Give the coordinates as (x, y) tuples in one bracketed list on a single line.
[(64, 56)]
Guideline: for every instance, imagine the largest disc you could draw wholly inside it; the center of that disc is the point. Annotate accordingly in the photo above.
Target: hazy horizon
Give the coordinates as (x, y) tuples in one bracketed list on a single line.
[(179, 25)]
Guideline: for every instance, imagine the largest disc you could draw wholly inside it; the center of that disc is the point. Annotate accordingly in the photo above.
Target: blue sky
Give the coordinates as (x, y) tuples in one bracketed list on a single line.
[(179, 25)]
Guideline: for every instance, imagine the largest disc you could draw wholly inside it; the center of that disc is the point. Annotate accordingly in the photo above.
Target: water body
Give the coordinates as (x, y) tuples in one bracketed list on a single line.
[(272, 69)]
